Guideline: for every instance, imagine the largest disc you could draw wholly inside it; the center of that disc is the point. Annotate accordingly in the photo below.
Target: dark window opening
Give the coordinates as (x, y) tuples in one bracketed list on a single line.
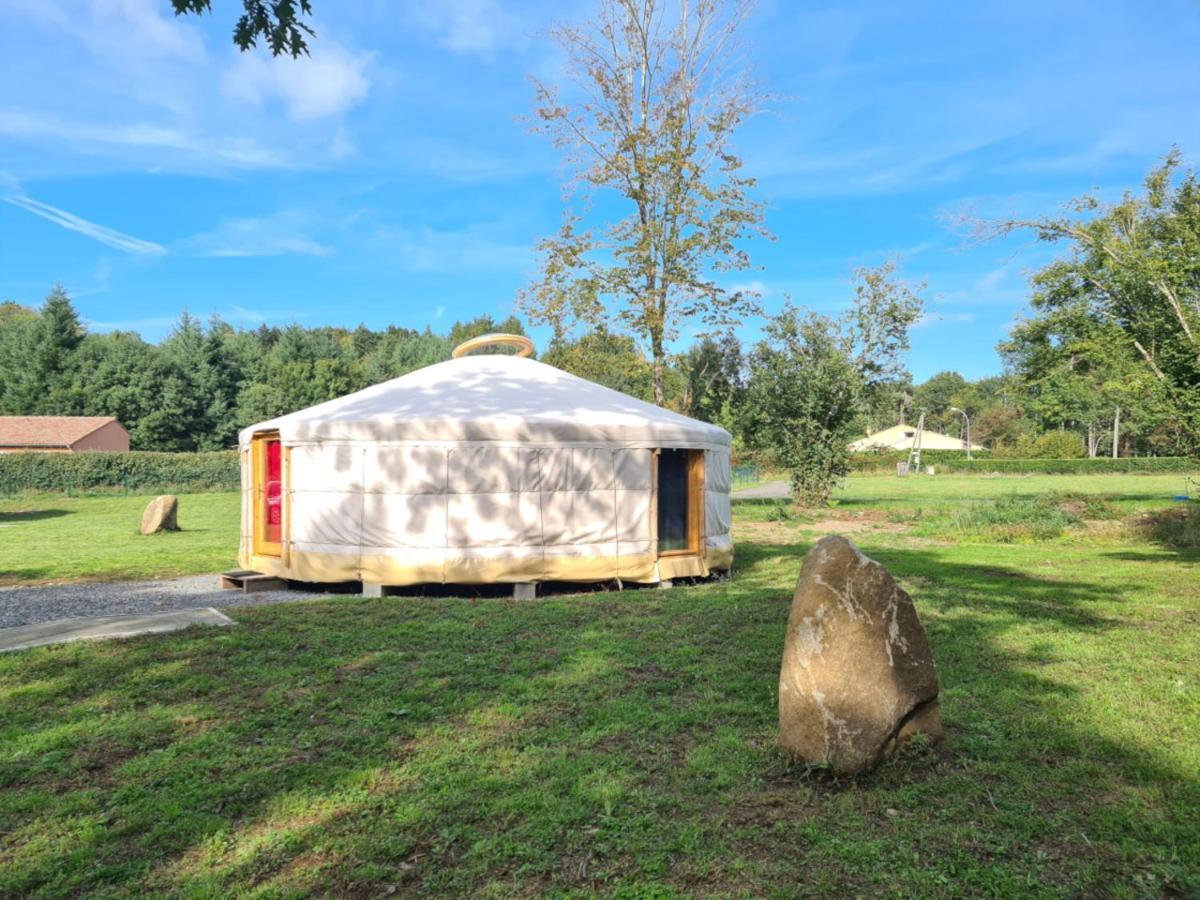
[(674, 499)]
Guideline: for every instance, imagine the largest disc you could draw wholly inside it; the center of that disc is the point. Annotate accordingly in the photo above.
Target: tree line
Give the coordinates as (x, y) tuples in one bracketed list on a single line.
[(1108, 357)]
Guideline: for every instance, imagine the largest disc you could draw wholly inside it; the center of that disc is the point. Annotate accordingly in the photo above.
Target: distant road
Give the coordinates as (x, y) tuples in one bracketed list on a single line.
[(768, 490)]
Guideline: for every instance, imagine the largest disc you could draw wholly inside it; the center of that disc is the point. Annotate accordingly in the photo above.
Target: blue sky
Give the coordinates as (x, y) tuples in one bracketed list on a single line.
[(149, 166)]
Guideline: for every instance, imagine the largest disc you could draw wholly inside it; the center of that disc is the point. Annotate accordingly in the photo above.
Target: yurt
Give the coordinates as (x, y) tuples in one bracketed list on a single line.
[(486, 468)]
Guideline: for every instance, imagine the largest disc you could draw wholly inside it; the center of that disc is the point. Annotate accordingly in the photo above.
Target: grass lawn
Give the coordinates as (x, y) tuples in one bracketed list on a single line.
[(624, 742), (59, 538)]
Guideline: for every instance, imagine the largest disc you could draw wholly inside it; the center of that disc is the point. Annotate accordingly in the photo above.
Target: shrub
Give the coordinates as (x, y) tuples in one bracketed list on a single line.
[(1051, 445), (1015, 518), (137, 471), (1178, 527)]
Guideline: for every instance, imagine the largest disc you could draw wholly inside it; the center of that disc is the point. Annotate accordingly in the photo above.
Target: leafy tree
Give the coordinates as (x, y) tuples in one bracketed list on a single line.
[(996, 427), (936, 395), (883, 312), (1134, 269), (715, 382), (1077, 371), (612, 360), (803, 400), (658, 95), (279, 23)]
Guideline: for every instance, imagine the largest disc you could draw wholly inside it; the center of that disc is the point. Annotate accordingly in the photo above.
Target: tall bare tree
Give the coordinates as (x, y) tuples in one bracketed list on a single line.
[(654, 92)]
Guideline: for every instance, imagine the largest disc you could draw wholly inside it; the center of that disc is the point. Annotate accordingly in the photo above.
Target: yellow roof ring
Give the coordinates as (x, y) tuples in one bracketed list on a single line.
[(524, 344)]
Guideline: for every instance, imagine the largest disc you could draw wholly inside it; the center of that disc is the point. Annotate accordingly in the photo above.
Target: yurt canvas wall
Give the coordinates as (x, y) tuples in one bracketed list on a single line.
[(485, 469)]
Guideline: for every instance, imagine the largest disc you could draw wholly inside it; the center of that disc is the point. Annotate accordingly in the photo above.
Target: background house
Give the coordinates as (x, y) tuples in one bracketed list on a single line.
[(900, 437), (62, 434)]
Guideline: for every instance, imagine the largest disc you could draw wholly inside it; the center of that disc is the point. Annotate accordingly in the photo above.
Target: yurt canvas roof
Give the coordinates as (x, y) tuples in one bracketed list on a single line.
[(493, 398)]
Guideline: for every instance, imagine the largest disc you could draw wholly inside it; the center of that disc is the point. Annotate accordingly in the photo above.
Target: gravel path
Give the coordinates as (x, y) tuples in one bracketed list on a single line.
[(768, 490), (44, 602)]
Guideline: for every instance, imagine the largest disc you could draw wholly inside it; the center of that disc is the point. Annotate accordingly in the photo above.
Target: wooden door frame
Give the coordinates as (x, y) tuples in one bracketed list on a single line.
[(695, 490), (258, 461)]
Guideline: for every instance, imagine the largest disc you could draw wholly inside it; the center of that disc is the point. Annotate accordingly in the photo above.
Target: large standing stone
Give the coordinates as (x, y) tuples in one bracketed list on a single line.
[(161, 515), (858, 676)]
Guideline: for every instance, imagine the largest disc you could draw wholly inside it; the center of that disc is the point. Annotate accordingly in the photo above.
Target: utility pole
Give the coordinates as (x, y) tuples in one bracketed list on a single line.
[(1116, 431)]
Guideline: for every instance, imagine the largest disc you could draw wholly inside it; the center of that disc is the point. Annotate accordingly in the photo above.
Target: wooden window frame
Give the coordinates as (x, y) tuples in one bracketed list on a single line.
[(695, 473), (258, 457)]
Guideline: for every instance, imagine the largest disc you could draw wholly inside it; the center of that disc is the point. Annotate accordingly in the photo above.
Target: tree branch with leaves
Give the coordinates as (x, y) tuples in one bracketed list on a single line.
[(279, 23), (1132, 269)]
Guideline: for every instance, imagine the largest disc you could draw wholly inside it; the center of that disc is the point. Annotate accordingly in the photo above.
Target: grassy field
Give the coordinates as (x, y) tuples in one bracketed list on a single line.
[(60, 538), (624, 742)]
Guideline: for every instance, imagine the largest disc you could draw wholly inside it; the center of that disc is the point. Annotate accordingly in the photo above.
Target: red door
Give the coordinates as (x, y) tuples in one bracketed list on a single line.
[(273, 493)]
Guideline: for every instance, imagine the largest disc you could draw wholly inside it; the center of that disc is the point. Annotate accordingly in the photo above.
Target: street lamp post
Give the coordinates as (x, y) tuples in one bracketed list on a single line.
[(967, 424)]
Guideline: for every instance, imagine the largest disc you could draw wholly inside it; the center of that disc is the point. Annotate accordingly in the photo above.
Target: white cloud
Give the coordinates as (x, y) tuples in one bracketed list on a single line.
[(72, 222), (143, 29), (465, 26), (328, 83), (282, 234), (754, 286)]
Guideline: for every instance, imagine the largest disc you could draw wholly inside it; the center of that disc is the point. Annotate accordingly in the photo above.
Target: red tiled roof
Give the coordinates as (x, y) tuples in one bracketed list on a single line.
[(48, 431)]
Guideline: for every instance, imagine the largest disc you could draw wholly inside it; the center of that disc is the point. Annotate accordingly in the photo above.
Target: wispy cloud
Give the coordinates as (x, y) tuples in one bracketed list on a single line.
[(242, 314), (755, 287), (101, 233), (474, 247), (240, 152), (932, 318), (282, 234), (154, 323)]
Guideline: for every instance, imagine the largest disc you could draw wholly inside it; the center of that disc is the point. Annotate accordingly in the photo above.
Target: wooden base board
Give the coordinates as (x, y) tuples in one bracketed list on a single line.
[(250, 582)]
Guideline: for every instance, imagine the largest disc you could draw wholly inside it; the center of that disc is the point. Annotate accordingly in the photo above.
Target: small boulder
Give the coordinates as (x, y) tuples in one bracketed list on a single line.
[(858, 676), (161, 515)]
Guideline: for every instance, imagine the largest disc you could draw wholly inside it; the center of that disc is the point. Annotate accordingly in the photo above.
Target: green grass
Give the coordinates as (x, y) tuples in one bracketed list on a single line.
[(884, 491), (624, 742), (52, 537)]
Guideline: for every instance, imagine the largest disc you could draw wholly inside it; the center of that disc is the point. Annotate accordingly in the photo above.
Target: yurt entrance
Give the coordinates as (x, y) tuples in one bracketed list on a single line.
[(267, 455), (680, 492)]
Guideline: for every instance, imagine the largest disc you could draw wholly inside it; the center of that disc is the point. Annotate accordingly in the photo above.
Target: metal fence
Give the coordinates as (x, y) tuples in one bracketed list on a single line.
[(746, 476)]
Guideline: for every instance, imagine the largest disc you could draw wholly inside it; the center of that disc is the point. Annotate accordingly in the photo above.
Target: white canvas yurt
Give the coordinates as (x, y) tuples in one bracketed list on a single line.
[(484, 469)]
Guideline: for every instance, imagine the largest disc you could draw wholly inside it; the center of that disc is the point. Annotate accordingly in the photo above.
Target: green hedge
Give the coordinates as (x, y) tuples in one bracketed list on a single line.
[(138, 471), (956, 461)]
